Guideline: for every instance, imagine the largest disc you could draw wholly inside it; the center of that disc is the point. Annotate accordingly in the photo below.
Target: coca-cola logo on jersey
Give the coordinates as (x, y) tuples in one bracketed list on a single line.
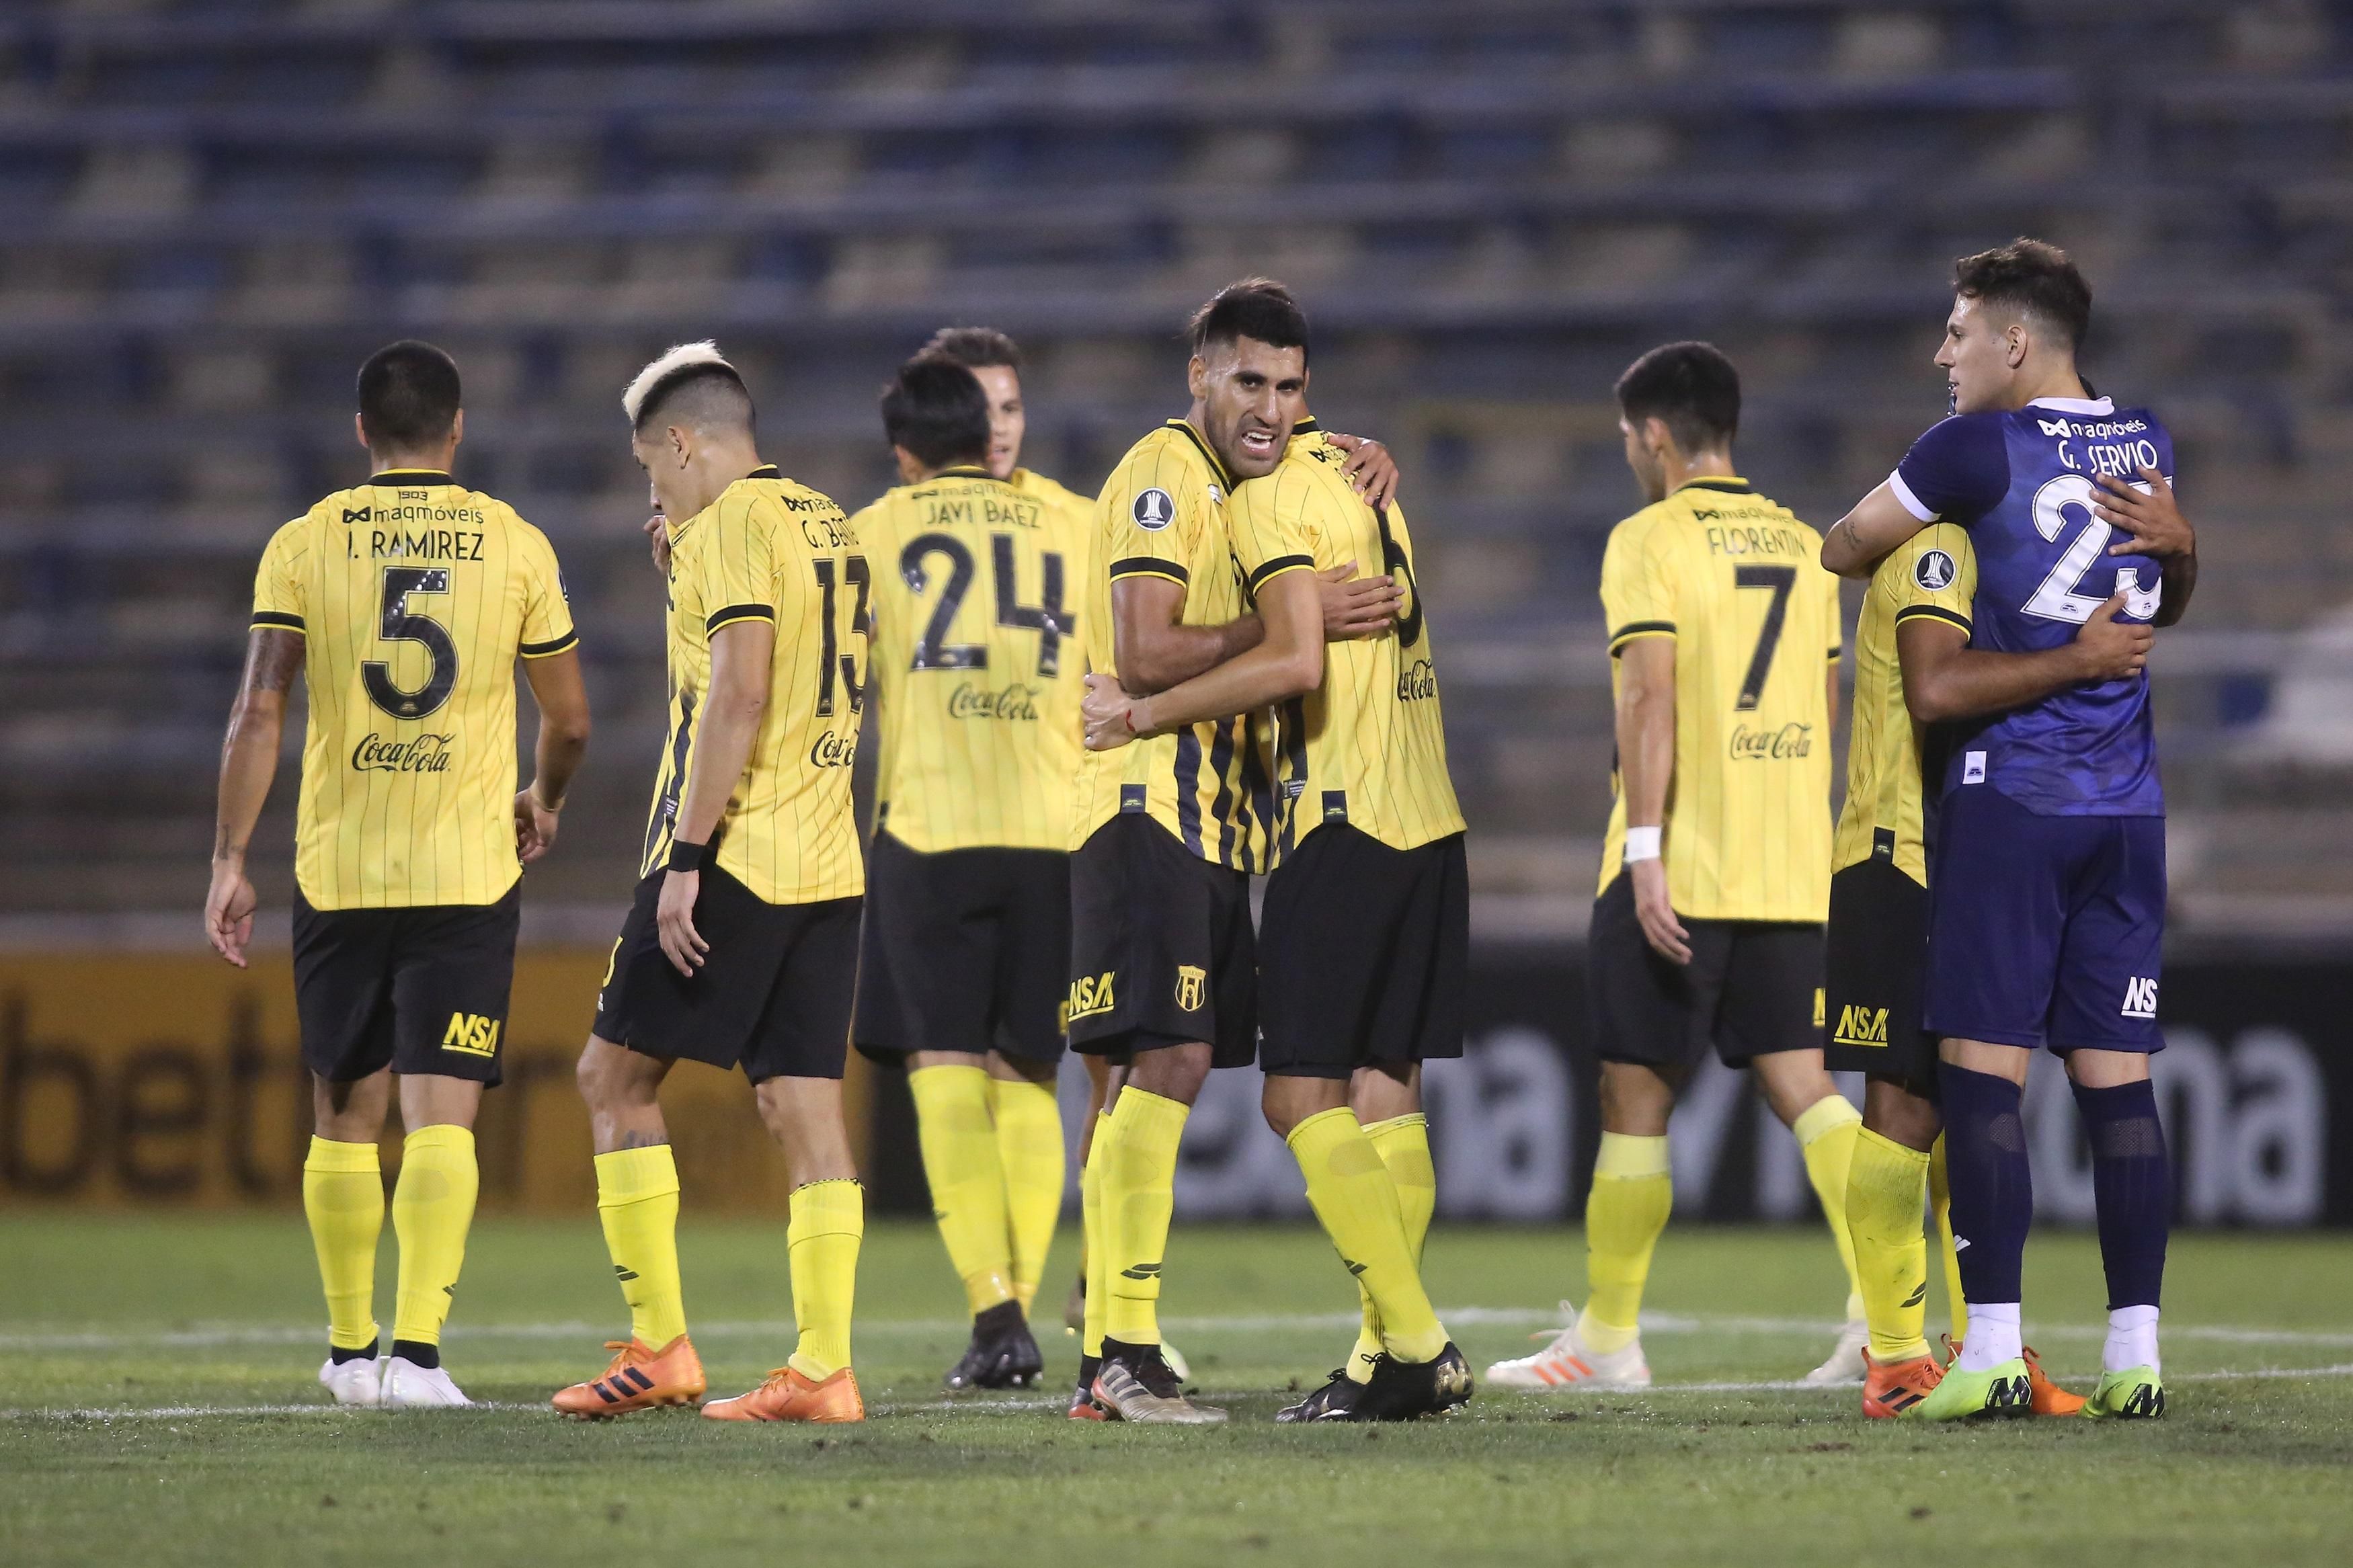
[(832, 750), (422, 754), (1771, 745), (1017, 702), (1417, 683)]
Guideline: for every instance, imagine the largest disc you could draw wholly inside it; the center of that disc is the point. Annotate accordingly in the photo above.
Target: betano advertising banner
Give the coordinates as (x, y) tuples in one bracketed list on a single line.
[(173, 1080)]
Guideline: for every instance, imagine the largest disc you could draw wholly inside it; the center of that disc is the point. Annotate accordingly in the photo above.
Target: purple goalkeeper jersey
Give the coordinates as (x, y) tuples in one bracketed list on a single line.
[(2021, 483)]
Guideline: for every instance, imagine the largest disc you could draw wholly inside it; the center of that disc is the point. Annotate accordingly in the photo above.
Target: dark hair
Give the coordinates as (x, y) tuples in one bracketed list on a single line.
[(2032, 278), (973, 347), (1257, 308), (408, 396), (1690, 386), (936, 409)]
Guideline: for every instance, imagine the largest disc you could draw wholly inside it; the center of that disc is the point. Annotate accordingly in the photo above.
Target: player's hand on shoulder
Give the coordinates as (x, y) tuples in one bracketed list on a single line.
[(1656, 912), (228, 910), (1369, 470), (1357, 607), (674, 921), (1109, 714), (2111, 649), (657, 539), (535, 826), (2150, 517)]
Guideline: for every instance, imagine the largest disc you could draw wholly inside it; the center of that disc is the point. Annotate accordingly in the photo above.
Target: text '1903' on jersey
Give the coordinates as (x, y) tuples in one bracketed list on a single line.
[(771, 549), (978, 660), (414, 596), (1737, 581)]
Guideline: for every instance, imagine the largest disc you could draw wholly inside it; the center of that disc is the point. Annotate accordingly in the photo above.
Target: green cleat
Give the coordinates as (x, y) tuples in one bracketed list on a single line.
[(2135, 1394), (2004, 1390)]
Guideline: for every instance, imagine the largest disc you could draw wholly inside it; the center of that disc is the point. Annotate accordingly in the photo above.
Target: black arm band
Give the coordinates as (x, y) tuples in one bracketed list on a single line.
[(688, 857)]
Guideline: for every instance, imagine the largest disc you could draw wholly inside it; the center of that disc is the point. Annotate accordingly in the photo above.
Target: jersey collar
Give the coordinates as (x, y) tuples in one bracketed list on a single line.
[(1208, 453), (1732, 484), (764, 471), (1305, 428), (2075, 404), (963, 471), (411, 478)]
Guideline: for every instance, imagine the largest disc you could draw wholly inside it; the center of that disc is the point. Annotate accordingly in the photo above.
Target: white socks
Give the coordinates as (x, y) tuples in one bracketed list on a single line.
[(2132, 1339), (1993, 1336)]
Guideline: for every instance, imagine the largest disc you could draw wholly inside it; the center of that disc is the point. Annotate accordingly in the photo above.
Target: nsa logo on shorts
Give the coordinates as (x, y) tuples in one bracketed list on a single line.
[(1933, 570), (1190, 983), (2140, 997), (472, 1034), (1154, 510)]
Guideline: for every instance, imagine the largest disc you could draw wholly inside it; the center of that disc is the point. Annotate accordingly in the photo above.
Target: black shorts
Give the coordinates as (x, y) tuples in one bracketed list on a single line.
[(965, 949), (1753, 987), (1364, 955), (772, 995), (416, 990), (1161, 948), (1878, 956)]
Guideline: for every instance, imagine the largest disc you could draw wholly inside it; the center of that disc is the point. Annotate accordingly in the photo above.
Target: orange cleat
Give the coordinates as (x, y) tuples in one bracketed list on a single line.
[(2045, 1397), (638, 1379), (786, 1395), (1890, 1388)]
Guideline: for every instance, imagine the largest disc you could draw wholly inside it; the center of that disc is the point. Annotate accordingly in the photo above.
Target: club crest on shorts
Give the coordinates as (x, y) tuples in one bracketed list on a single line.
[(1153, 510), (1933, 570), (1191, 982)]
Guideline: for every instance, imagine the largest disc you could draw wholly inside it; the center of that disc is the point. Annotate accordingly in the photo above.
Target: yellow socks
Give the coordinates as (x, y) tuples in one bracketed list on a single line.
[(1098, 1241), (1941, 1194), (1634, 1190), (1403, 1143), (1826, 1134), (432, 1210), (1029, 1151), (959, 1143), (828, 1219), (1139, 1153), (1885, 1186), (342, 1197), (637, 1199), (1350, 1190)]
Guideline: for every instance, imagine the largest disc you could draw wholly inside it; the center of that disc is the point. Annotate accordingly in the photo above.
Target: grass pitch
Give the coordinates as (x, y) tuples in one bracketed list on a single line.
[(161, 1409)]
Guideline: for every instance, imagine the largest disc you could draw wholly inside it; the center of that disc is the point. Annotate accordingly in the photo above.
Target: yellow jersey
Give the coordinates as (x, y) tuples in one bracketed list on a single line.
[(976, 660), (1162, 513), (414, 596), (1737, 582), (1934, 573), (770, 549), (1368, 747)]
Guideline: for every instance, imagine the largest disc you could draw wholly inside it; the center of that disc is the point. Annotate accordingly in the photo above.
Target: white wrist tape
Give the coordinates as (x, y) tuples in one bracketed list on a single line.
[(1641, 844)]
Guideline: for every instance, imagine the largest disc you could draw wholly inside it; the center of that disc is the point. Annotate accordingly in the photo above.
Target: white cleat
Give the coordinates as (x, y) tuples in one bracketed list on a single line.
[(353, 1382), (1846, 1364), (1566, 1364), (408, 1383)]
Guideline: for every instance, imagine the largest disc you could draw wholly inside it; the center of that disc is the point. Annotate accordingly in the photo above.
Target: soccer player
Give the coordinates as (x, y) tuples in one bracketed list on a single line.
[(1715, 872), (404, 603), (1914, 670), (741, 949), (1164, 962), (1363, 949), (965, 961), (2046, 908)]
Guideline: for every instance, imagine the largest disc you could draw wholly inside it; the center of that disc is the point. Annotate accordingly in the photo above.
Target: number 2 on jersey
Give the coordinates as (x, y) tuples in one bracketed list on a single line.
[(2057, 596), (1780, 580)]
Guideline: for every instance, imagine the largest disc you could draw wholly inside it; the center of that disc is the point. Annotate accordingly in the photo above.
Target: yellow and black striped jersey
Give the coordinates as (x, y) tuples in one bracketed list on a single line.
[(771, 549), (1933, 574), (414, 596), (977, 660), (1162, 513), (1737, 582), (1368, 747)]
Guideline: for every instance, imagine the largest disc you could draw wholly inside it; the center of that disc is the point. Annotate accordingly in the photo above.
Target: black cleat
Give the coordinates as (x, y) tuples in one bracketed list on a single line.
[(1408, 1391), (1001, 1355), (1336, 1401)]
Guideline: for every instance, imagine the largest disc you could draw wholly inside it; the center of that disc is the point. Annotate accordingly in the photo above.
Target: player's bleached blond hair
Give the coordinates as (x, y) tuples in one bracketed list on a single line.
[(683, 364)]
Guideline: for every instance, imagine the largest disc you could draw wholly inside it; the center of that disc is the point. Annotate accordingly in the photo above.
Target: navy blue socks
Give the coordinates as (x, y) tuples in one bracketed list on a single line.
[(2133, 1180), (1992, 1190)]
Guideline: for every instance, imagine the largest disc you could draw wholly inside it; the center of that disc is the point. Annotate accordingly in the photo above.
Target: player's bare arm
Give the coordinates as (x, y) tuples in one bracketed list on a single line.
[(657, 531), (2153, 520), (562, 699), (1370, 471), (1944, 678), (740, 656), (1358, 607), (1861, 540), (273, 656), (1646, 769), (1287, 662), (1154, 650)]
